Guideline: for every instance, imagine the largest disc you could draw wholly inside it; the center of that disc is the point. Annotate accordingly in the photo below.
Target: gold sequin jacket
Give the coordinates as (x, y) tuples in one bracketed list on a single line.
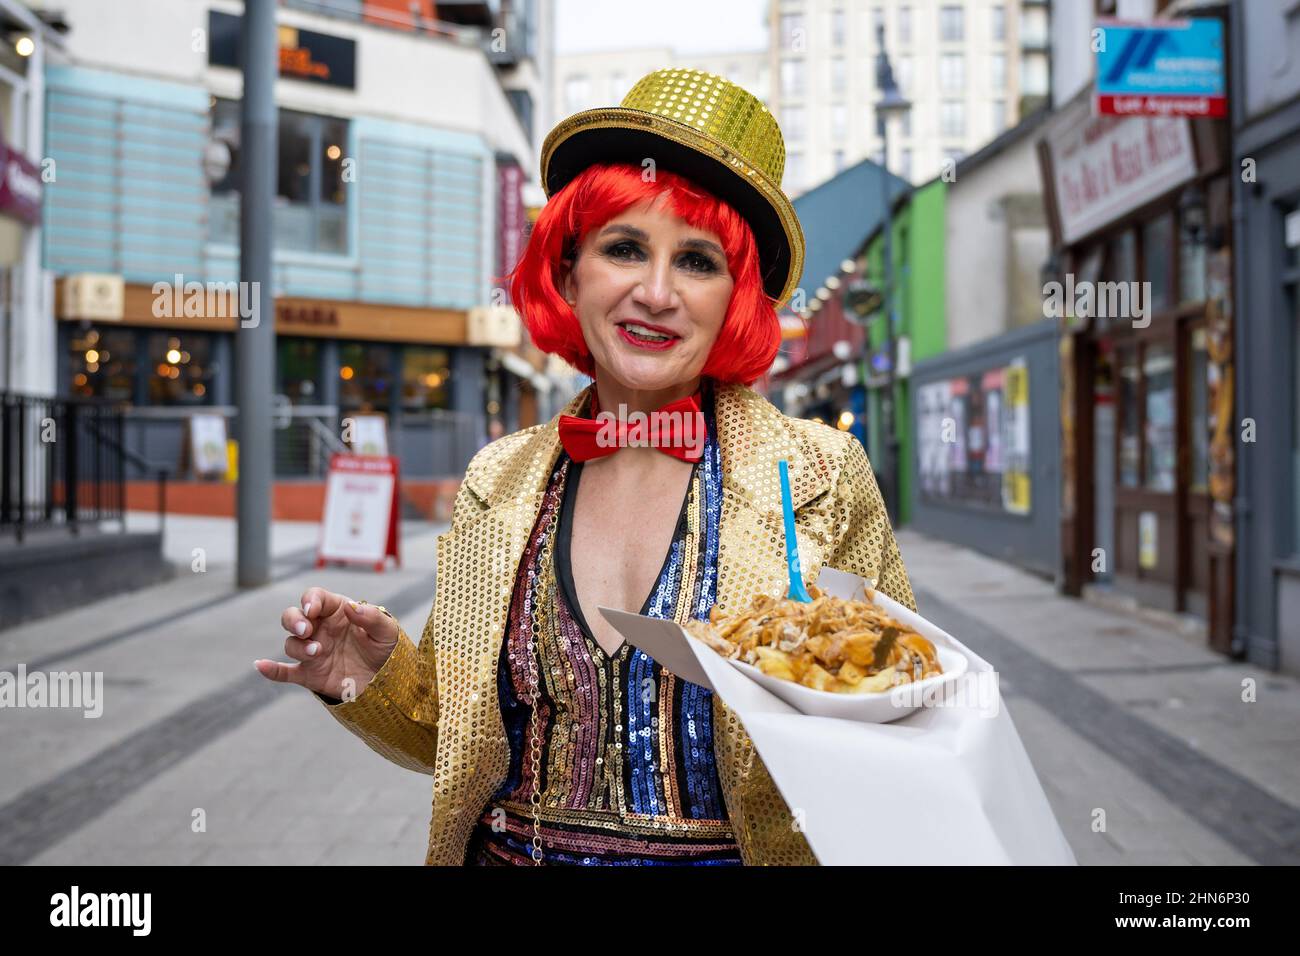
[(433, 708)]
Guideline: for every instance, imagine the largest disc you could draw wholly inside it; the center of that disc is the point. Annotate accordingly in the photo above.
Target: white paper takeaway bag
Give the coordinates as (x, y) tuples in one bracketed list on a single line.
[(944, 785)]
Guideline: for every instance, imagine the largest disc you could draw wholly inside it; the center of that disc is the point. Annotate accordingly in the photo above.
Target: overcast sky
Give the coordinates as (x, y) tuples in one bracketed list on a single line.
[(687, 26)]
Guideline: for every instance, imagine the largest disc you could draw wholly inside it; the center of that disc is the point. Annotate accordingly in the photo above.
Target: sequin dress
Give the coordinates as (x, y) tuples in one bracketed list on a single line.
[(628, 771)]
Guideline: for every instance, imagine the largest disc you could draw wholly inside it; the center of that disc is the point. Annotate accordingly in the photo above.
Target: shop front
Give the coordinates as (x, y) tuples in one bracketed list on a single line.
[(418, 368), (1140, 284)]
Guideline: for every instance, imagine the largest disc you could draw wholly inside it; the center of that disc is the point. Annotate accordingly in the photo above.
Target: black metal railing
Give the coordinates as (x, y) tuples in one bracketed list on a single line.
[(63, 464)]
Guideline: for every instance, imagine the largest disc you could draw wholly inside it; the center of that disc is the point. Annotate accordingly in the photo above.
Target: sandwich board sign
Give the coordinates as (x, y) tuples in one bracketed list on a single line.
[(361, 515)]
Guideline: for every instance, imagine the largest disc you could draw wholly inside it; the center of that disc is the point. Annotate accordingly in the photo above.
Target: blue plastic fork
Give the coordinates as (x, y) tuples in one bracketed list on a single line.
[(797, 590)]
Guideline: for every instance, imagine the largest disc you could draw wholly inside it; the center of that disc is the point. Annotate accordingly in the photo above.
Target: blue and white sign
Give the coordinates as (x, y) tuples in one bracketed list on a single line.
[(1169, 68)]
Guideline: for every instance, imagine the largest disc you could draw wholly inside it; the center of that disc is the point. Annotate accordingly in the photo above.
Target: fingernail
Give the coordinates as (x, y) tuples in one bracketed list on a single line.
[(312, 648), (300, 628), (306, 608)]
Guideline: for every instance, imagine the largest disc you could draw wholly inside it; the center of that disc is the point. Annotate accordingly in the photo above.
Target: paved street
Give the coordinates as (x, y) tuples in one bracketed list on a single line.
[(1118, 714)]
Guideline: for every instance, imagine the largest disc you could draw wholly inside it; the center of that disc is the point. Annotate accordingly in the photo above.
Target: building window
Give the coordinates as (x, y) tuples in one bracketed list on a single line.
[(839, 75), (837, 157), (837, 28), (952, 118), (1130, 450), (999, 114), (298, 363), (1158, 254), (365, 376), (426, 378), (618, 87), (792, 74), (998, 71), (903, 74), (877, 22), (792, 35), (577, 93), (905, 123), (839, 122), (310, 213), (1198, 388), (103, 363), (904, 25), (180, 370), (1159, 438), (794, 124), (905, 163), (952, 72), (794, 171), (952, 26), (998, 24)]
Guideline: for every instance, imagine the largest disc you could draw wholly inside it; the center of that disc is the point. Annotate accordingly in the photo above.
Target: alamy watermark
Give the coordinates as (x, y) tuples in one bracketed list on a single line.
[(1108, 300), (977, 690), (221, 300), (82, 690), (657, 429)]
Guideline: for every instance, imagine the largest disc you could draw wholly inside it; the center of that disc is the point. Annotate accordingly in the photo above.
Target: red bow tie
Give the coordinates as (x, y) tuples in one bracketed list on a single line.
[(676, 429)]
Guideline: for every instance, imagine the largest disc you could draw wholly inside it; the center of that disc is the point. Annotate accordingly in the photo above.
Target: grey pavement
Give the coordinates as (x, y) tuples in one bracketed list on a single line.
[(1142, 740)]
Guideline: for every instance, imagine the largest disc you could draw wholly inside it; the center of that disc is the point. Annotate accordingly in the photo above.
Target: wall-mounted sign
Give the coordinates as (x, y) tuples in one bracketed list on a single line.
[(20, 186), (1168, 68), (1106, 166), (304, 54)]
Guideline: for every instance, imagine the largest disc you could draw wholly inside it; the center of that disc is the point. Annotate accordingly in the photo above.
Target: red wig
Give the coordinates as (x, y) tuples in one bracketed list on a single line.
[(751, 332)]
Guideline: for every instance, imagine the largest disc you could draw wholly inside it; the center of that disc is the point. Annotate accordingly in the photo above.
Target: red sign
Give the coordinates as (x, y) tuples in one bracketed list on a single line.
[(1200, 106), (511, 217)]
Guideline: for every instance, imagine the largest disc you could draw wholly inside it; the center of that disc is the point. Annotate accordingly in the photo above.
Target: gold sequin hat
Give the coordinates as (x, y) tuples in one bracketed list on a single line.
[(706, 128)]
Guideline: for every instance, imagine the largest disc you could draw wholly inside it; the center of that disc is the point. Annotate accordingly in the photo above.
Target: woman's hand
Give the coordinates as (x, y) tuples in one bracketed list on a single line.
[(333, 640)]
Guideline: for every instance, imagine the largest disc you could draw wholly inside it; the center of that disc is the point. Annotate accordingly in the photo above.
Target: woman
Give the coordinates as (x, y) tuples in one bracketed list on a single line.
[(655, 268)]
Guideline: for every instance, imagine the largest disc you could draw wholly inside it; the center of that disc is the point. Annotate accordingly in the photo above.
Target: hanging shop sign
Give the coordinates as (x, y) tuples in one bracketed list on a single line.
[(1168, 68)]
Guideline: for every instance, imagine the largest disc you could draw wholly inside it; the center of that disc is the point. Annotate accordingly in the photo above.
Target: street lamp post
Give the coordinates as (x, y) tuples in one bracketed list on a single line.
[(891, 103)]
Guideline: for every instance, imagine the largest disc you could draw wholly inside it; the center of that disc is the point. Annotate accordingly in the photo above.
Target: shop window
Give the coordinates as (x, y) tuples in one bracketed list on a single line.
[(1198, 389), (365, 376), (103, 363), (1191, 269), (310, 212), (1130, 451), (1158, 253), (1159, 437), (426, 378), (180, 368), (298, 365)]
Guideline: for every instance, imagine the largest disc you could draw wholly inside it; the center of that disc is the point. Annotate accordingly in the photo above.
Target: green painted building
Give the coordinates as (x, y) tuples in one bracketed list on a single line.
[(920, 330)]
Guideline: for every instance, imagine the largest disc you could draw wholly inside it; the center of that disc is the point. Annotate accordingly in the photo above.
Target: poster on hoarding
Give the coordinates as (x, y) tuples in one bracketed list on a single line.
[(973, 439), (360, 522)]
